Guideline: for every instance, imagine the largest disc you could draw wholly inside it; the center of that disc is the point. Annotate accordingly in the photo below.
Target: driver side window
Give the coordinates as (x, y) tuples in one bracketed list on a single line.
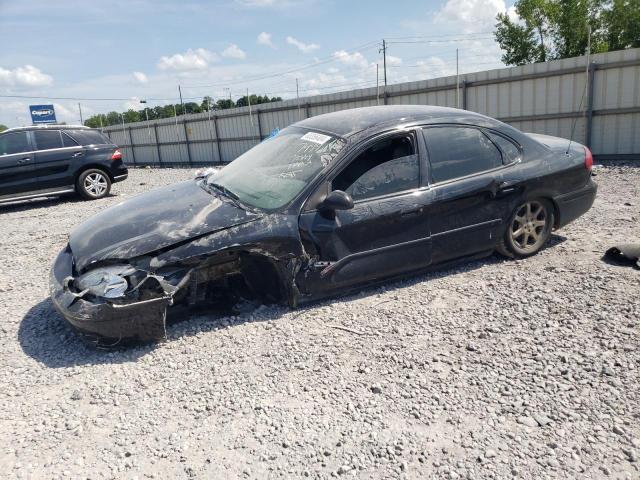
[(389, 166)]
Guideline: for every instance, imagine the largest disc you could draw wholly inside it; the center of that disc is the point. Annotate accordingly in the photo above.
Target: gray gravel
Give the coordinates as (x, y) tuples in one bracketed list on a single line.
[(496, 369)]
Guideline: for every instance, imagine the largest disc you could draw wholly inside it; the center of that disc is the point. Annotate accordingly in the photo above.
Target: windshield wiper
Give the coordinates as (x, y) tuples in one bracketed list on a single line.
[(224, 190), (235, 199)]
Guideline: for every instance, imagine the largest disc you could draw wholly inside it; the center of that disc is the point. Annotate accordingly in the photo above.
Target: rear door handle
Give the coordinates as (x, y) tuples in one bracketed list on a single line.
[(24, 160), (78, 154)]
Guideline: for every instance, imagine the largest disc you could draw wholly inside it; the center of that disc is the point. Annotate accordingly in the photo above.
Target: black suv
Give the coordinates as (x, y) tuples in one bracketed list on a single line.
[(55, 159)]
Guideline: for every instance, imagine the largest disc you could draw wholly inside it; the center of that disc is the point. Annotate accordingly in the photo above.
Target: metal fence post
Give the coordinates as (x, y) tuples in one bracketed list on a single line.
[(259, 126), (215, 126), (133, 150), (589, 124), (464, 94), (155, 135), (186, 139), (306, 110)]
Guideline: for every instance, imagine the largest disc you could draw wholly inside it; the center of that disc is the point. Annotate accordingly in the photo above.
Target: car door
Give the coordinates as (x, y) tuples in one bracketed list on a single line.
[(16, 164), (385, 233), (473, 189), (56, 152)]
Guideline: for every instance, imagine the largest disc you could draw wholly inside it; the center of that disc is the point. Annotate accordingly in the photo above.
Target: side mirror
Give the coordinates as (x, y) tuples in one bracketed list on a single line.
[(337, 200)]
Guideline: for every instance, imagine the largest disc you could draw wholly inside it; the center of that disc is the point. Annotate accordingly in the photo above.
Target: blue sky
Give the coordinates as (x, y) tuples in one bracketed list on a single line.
[(129, 50)]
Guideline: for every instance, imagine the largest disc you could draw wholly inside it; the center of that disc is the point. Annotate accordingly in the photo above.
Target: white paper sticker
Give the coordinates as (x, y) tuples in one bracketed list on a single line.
[(316, 138)]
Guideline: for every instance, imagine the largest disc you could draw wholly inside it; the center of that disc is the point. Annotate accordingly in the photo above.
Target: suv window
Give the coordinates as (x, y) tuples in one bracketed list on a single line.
[(389, 166), (46, 139), (510, 152), (67, 141), (459, 151), (14, 143), (88, 137)]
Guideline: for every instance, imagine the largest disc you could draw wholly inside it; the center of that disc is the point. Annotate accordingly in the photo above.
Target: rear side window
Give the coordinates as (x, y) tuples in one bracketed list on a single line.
[(456, 152), (14, 143), (46, 139), (67, 141), (389, 166), (510, 152), (88, 137)]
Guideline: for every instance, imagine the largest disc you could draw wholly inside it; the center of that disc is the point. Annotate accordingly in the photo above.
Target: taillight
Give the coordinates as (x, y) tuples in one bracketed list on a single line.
[(117, 155), (588, 159)]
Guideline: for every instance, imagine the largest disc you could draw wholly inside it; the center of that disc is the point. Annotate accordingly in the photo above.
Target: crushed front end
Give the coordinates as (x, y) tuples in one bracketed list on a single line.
[(112, 303)]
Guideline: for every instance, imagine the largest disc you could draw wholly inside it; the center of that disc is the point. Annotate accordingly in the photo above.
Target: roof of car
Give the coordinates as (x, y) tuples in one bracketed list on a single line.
[(348, 122), (45, 127)]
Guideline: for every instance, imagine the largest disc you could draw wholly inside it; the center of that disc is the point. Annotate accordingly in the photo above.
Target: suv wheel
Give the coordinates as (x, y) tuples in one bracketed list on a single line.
[(93, 184)]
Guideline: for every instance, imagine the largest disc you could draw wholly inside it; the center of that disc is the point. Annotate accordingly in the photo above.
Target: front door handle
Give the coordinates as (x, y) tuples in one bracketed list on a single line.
[(412, 212), (507, 187), (24, 160), (77, 154)]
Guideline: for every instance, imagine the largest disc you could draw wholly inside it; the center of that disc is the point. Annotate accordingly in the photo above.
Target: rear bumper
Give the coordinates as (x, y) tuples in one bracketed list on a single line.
[(574, 204), (101, 322)]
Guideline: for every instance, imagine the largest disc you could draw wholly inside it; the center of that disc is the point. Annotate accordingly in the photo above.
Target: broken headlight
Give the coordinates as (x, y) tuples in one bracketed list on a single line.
[(105, 282)]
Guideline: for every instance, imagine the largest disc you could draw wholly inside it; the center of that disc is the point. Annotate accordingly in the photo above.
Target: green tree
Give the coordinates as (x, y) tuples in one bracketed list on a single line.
[(622, 20), (3, 127), (223, 104), (553, 29), (207, 104), (131, 116)]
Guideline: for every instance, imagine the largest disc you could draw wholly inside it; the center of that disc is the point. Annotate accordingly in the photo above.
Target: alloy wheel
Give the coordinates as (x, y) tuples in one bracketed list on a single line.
[(529, 225), (95, 184)]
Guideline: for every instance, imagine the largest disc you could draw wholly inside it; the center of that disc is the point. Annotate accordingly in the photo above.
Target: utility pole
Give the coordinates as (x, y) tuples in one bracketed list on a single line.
[(100, 118), (384, 62), (80, 110), (298, 97), (377, 85), (457, 82), (181, 102)]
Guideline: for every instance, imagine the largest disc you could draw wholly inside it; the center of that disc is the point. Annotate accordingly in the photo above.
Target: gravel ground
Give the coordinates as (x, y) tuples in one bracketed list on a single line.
[(495, 369)]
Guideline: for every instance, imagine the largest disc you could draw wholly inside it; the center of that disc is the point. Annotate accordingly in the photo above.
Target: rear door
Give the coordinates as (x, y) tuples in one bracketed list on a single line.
[(387, 230), (55, 157), (16, 164), (473, 188)]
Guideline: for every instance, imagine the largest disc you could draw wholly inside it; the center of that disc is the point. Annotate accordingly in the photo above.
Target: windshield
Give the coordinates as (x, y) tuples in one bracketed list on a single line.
[(275, 171)]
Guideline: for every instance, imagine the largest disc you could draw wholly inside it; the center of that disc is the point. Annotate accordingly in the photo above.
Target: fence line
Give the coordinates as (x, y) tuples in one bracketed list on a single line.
[(542, 98)]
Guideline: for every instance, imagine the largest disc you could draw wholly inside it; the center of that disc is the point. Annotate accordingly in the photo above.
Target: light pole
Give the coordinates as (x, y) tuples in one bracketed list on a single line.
[(146, 114)]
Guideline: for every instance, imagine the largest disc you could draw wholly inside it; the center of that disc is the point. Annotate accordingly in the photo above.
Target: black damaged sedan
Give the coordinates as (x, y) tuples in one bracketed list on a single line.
[(330, 204)]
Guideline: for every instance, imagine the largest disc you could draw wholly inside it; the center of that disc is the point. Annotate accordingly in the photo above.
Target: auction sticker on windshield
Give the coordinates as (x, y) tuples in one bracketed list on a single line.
[(315, 138)]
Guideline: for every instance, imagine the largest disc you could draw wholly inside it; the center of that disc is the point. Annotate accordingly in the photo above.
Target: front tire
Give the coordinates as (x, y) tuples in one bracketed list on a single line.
[(93, 184), (529, 229)]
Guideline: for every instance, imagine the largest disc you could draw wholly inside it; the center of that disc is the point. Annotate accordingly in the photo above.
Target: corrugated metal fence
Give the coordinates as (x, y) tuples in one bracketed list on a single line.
[(548, 98)]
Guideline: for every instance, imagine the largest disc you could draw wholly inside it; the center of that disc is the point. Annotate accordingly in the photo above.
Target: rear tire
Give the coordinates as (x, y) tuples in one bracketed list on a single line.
[(93, 184), (528, 230)]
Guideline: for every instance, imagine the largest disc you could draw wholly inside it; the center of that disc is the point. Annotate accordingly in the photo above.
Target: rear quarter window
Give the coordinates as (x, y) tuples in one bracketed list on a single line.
[(88, 137)]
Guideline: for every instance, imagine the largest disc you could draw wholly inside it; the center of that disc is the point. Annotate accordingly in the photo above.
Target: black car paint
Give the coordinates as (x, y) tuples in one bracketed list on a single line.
[(39, 172), (309, 252)]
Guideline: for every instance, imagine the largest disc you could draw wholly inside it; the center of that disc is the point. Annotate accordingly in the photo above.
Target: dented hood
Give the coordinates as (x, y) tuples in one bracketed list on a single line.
[(153, 221)]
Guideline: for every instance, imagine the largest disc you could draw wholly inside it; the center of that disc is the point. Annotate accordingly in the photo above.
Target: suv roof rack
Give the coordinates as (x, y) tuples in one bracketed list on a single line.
[(44, 127)]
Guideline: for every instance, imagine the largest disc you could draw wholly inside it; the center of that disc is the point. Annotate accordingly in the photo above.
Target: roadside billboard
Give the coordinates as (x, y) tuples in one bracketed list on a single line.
[(42, 114)]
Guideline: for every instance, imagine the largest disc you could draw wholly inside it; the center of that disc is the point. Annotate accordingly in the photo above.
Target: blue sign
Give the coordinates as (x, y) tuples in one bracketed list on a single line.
[(42, 114)]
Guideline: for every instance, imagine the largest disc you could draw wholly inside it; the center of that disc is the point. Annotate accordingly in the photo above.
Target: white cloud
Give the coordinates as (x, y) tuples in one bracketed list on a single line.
[(355, 59), (25, 76), (303, 47), (265, 39), (472, 15), (197, 59), (233, 51), (393, 61), (140, 77)]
